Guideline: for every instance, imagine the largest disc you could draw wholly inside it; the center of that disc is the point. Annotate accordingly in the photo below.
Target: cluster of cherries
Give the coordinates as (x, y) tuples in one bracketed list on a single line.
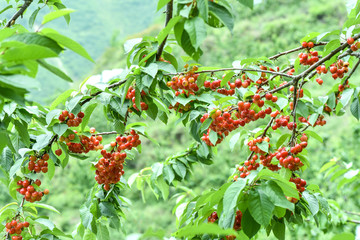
[(131, 96), (247, 115), (222, 124), (180, 108), (282, 121), (185, 82), (28, 190), (308, 58), (109, 168), (85, 145), (248, 166), (354, 45), (213, 217), (319, 122), (16, 227), (70, 118), (39, 164), (237, 225), (338, 69), (300, 186), (215, 85)]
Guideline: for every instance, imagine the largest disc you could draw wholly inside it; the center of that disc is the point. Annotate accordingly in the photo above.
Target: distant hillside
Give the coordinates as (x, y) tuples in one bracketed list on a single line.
[(272, 26), (95, 24)]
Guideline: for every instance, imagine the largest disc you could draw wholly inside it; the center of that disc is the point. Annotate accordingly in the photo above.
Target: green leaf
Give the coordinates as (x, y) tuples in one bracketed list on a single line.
[(249, 225), (165, 31), (42, 205), (346, 96), (330, 46), (213, 137), (33, 17), (61, 98), (234, 139), (261, 207), (282, 102), (279, 230), (282, 139), (227, 77), (45, 222), (67, 42), (152, 69), (196, 29), (87, 114), (276, 195), (203, 6), (229, 203), (102, 232), (313, 117), (264, 146), (161, 4), (343, 236), (56, 14), (16, 167), (168, 173), (54, 70), (223, 14), (355, 108), (60, 129), (312, 201), (309, 36), (204, 228), (164, 188), (89, 235), (179, 169), (314, 135), (247, 3), (28, 52)]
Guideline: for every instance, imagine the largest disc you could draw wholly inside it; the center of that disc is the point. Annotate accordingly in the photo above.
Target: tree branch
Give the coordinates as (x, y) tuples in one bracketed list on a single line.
[(352, 71), (294, 50), (111, 86), (18, 13), (169, 13)]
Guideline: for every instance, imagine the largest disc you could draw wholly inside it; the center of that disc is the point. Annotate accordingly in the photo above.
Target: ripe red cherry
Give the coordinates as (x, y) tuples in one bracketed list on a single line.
[(268, 96), (256, 97), (304, 44), (58, 152), (310, 44), (350, 40), (38, 182), (319, 81)]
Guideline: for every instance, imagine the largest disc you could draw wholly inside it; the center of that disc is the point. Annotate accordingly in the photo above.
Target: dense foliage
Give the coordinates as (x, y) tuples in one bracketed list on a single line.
[(265, 190)]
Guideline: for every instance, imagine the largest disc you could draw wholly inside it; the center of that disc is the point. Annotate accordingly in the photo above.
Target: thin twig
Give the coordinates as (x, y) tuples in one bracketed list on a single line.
[(352, 213), (18, 13), (169, 13), (105, 133), (352, 72), (353, 221), (111, 86), (326, 58), (294, 50)]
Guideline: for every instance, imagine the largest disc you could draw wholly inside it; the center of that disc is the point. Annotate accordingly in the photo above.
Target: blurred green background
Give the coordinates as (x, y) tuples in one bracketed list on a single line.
[(274, 25)]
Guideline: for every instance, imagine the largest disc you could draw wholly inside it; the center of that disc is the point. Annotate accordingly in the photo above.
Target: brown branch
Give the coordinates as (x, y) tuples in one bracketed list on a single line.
[(324, 59), (353, 221), (352, 71), (18, 13), (294, 50), (263, 135), (111, 86), (352, 213), (105, 133), (169, 13)]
